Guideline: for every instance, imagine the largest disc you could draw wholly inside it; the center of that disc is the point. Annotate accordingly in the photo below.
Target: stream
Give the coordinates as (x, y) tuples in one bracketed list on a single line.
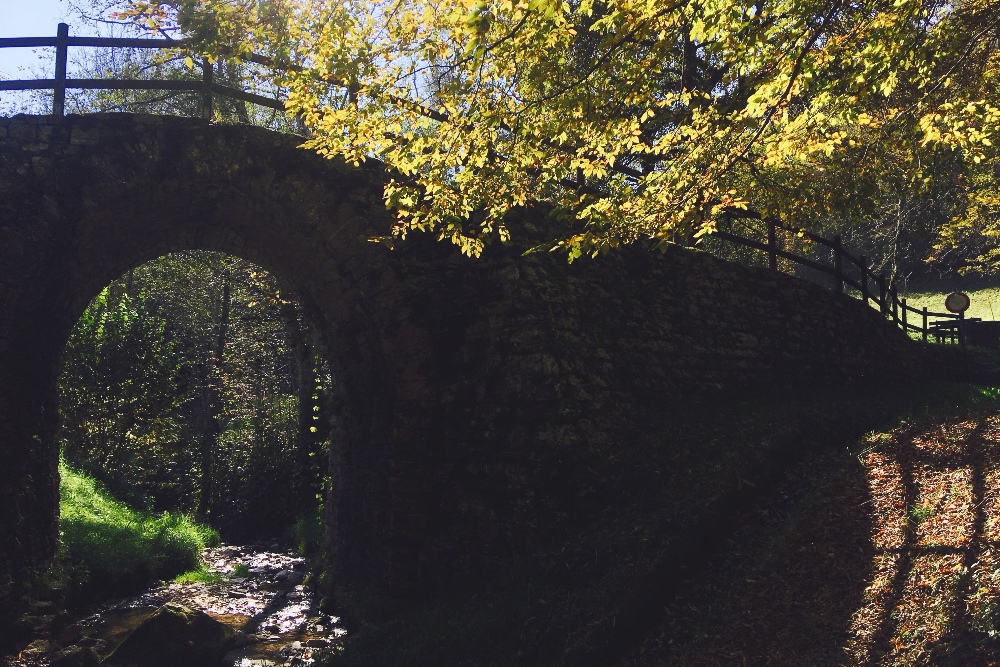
[(260, 594)]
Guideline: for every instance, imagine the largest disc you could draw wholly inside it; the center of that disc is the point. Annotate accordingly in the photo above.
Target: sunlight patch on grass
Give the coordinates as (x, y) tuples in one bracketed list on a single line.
[(109, 548), (201, 575), (984, 303)]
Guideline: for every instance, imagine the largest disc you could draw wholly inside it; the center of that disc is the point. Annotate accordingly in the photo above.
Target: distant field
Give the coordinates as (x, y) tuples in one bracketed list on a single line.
[(985, 302)]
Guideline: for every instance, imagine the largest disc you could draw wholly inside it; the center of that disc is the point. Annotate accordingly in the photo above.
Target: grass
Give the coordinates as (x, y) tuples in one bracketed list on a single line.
[(109, 548), (201, 575), (920, 512), (308, 535), (593, 587), (984, 301)]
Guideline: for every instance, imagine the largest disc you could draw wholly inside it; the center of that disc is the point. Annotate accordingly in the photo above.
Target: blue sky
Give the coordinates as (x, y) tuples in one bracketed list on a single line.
[(27, 18)]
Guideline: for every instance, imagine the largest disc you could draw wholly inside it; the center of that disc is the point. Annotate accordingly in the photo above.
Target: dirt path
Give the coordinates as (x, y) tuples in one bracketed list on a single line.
[(258, 592), (880, 557)]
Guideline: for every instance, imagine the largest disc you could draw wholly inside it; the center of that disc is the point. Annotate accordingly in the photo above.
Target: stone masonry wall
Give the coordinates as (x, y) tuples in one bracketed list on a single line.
[(545, 368), (471, 393)]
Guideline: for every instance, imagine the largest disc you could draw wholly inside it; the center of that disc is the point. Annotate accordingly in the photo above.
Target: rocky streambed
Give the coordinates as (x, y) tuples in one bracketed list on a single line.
[(259, 593)]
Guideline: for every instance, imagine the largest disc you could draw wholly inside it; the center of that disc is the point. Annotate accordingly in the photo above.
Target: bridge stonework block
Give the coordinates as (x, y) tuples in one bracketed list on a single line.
[(470, 393)]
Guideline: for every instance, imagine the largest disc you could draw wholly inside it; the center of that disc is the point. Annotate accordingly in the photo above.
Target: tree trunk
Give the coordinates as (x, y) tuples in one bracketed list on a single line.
[(213, 409), (309, 413)]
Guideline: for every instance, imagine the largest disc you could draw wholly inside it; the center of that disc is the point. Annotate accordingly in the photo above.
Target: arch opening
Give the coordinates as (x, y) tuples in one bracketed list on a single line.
[(110, 192), (196, 384)]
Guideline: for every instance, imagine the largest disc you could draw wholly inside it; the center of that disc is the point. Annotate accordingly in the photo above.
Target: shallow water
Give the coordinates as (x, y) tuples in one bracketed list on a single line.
[(276, 615)]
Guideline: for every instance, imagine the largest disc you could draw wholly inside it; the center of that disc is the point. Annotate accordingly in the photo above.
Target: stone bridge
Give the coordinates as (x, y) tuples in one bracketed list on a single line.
[(470, 393)]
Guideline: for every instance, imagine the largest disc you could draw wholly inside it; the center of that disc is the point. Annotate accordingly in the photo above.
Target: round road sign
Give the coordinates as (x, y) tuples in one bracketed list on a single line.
[(957, 302)]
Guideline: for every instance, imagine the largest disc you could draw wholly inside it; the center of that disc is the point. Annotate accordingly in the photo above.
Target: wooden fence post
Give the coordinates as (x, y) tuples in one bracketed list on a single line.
[(903, 313), (864, 279), (838, 264), (206, 88), (772, 245), (924, 328), (894, 302), (59, 91), (883, 294)]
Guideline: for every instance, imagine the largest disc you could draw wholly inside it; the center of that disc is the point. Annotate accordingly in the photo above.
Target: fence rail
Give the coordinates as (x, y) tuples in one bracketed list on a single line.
[(873, 288), (59, 84)]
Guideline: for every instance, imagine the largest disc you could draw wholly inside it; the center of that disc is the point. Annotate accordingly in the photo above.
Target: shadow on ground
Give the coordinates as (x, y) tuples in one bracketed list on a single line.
[(885, 555)]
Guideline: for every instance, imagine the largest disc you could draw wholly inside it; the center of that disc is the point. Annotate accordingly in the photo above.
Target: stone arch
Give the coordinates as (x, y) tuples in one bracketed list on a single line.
[(89, 197), (474, 396)]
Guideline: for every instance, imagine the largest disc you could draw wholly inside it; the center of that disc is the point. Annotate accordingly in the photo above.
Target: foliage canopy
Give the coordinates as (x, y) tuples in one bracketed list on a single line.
[(638, 119)]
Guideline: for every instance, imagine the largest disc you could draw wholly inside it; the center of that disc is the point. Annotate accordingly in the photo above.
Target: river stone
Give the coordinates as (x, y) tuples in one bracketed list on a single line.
[(76, 656), (174, 635), (37, 649), (42, 607)]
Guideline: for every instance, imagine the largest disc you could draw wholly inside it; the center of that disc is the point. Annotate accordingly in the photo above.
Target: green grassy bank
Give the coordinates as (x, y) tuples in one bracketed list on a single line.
[(109, 549)]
